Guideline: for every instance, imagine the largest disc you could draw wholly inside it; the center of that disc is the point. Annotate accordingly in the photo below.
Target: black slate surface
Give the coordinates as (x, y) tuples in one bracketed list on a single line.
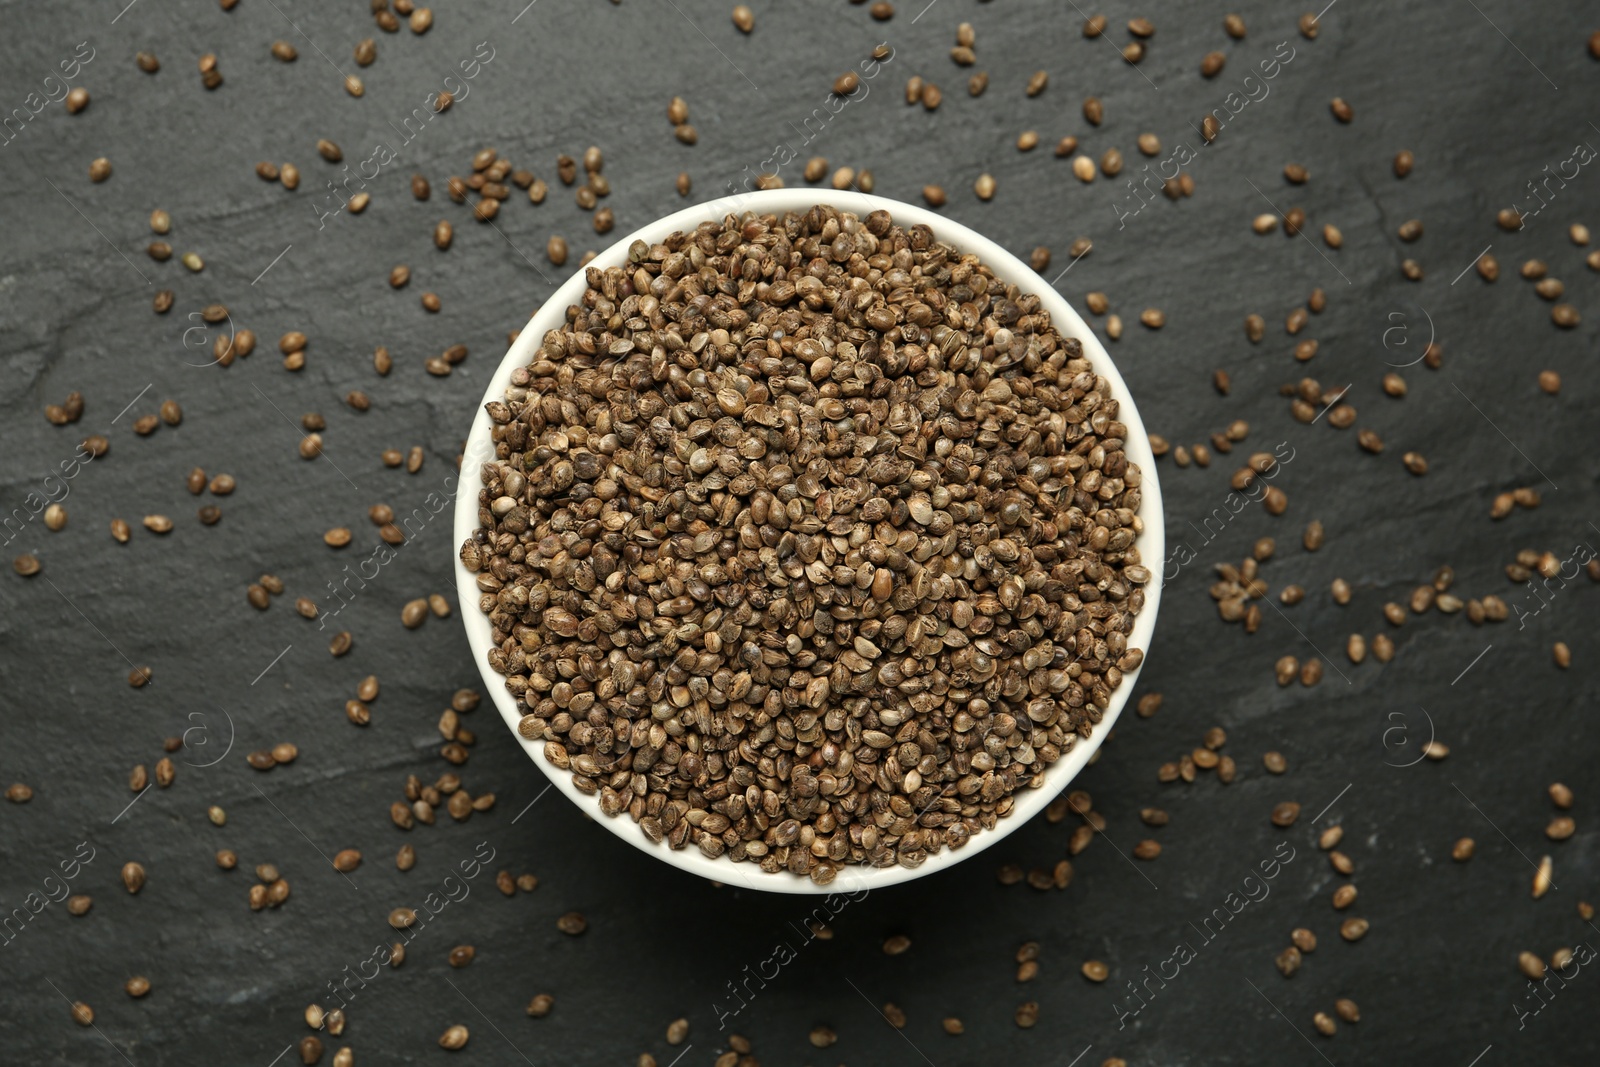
[(1486, 94)]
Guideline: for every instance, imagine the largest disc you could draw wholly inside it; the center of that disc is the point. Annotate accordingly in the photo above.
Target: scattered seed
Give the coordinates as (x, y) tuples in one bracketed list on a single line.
[(1542, 877)]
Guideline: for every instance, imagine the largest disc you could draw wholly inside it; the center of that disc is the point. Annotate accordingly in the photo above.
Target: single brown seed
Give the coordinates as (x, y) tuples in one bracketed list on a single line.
[(1542, 877), (1565, 316), (133, 876), (1095, 971), (82, 1014), (1285, 814), (1331, 236), (1347, 1010), (1288, 961), (1094, 111), (1354, 929), (744, 18), (572, 923), (1341, 110), (79, 904), (984, 187), (147, 62), (77, 100), (1211, 64), (454, 1038), (1154, 318), (1403, 162), (1561, 654), (1560, 795)]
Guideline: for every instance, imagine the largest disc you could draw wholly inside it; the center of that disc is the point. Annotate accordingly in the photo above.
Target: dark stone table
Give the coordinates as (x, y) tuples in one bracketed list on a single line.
[(1490, 96)]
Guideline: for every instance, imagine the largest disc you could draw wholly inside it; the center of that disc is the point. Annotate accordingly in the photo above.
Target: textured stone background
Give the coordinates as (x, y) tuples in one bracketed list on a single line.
[(1436, 977)]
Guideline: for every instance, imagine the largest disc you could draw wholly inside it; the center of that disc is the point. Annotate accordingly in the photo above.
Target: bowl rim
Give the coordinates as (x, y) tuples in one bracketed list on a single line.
[(1006, 267)]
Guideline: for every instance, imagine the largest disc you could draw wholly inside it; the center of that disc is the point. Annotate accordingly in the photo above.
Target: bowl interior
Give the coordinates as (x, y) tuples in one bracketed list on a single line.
[(1007, 268)]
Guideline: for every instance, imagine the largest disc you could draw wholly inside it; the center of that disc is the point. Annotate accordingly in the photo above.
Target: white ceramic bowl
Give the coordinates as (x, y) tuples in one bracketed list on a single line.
[(1006, 267)]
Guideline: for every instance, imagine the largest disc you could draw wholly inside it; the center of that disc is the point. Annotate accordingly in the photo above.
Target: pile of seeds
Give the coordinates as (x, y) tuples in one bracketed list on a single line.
[(808, 542)]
